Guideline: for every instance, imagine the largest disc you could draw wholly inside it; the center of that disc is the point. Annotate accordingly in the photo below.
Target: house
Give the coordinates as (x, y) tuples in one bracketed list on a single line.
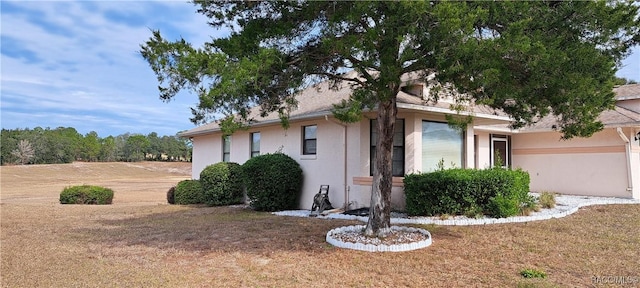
[(340, 155), (605, 164)]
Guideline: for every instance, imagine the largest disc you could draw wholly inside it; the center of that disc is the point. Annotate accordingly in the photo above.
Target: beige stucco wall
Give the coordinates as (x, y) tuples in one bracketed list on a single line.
[(328, 165), (593, 166)]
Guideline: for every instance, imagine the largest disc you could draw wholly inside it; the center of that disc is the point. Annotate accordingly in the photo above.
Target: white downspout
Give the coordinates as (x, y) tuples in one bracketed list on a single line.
[(344, 179), (628, 154)]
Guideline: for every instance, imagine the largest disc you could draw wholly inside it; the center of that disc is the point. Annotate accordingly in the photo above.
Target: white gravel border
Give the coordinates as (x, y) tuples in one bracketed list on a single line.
[(565, 205), (380, 247)]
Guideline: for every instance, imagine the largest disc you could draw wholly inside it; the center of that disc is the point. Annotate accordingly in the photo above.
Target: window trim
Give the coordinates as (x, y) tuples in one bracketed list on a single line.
[(252, 151), (372, 148), (305, 139), (501, 138), (224, 144), (463, 137)]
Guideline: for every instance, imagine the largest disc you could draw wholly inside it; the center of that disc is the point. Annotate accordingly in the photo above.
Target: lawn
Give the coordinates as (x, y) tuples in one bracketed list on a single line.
[(140, 241)]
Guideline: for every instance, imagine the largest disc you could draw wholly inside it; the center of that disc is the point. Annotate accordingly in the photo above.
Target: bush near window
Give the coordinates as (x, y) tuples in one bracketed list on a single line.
[(222, 183), (273, 182), (86, 194), (496, 192), (189, 192)]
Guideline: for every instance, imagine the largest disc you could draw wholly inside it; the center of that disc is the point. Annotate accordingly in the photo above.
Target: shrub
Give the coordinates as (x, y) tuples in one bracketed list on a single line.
[(222, 184), (547, 200), (171, 195), (189, 192), (533, 273), (273, 182), (86, 194), (497, 192)]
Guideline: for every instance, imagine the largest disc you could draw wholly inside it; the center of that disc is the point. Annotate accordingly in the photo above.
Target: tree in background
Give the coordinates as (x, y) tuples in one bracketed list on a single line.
[(527, 58), (24, 153), (64, 145)]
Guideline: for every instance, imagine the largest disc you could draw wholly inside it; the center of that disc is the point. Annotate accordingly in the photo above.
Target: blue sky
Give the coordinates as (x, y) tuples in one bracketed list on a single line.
[(76, 64)]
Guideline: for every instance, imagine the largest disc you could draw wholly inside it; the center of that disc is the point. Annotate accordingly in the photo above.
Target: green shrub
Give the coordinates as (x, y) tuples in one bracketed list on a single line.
[(502, 206), (222, 183), (86, 194), (547, 200), (189, 192), (533, 273), (273, 182), (497, 192), (171, 195)]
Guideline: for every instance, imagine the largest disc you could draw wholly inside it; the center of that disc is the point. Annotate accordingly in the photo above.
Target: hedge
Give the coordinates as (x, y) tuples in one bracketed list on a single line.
[(496, 192), (273, 182), (222, 183), (86, 194), (188, 192)]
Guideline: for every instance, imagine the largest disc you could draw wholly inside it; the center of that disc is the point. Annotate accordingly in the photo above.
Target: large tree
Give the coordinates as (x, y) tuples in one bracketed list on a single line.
[(527, 58)]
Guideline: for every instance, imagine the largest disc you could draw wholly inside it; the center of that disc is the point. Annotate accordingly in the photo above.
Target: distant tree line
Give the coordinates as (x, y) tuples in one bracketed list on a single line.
[(65, 145)]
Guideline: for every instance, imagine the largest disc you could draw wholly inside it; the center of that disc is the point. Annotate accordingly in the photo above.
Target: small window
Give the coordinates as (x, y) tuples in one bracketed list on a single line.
[(397, 157), (226, 148), (255, 144), (309, 140)]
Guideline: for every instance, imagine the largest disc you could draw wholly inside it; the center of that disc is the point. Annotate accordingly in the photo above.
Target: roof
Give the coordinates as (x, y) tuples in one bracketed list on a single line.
[(627, 92), (317, 101)]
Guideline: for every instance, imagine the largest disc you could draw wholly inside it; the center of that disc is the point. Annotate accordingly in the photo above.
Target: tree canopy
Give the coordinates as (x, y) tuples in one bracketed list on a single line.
[(526, 58)]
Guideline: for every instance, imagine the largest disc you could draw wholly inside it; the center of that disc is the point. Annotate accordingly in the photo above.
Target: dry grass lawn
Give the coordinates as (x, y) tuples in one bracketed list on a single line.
[(140, 241)]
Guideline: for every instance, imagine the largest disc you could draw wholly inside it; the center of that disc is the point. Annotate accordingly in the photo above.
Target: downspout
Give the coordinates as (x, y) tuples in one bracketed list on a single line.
[(344, 179), (628, 154)]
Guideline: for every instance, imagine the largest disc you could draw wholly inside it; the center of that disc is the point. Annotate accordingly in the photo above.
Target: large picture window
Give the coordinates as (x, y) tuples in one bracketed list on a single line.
[(398, 147), (226, 148), (309, 139), (255, 144), (441, 144)]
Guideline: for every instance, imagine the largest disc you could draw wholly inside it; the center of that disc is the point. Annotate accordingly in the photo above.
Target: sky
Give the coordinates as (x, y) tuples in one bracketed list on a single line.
[(77, 64)]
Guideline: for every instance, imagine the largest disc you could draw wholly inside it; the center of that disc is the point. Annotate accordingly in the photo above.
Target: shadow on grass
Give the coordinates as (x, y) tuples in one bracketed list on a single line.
[(209, 229)]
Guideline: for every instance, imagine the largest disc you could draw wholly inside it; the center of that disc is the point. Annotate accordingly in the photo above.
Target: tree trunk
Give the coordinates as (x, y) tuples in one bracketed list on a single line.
[(379, 224)]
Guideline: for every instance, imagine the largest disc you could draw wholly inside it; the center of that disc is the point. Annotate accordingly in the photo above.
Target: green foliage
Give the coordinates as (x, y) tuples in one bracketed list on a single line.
[(533, 273), (497, 192), (171, 199), (189, 192), (273, 182), (526, 58), (86, 194), (547, 200), (222, 183), (64, 145)]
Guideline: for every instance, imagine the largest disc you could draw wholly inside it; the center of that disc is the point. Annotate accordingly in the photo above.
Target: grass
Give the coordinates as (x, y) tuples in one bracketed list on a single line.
[(140, 240)]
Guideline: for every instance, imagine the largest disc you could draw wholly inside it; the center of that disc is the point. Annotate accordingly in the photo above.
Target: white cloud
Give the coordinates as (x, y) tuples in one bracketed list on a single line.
[(87, 69)]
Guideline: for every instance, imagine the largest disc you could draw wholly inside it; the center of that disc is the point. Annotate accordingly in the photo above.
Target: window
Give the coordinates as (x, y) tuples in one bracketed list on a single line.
[(226, 148), (309, 140), (398, 147), (500, 154), (441, 146), (255, 144)]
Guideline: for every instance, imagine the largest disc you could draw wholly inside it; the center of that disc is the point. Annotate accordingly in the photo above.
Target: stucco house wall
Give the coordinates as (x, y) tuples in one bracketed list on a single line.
[(593, 166), (602, 165)]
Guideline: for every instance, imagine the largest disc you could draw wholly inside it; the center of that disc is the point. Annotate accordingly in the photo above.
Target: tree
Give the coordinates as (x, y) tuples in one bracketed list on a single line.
[(527, 58), (136, 147), (90, 147), (24, 153)]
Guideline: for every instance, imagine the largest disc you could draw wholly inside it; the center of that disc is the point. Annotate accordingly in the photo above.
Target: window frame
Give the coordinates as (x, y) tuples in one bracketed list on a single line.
[(500, 138), (253, 152), (402, 147), (463, 145), (226, 145), (305, 140)]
